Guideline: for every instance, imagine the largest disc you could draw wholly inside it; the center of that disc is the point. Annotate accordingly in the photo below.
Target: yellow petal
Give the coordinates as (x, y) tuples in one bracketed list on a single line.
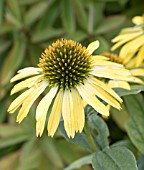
[(126, 37), (90, 98), (138, 20), (93, 46), (132, 46), (67, 112), (26, 83), (27, 69), (119, 84), (102, 94), (98, 57), (78, 110), (106, 88), (42, 109), (19, 100), (25, 73), (29, 101), (137, 72), (140, 56), (55, 114)]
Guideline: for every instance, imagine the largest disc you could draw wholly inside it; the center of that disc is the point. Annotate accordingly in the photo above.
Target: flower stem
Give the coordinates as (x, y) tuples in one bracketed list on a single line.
[(89, 137)]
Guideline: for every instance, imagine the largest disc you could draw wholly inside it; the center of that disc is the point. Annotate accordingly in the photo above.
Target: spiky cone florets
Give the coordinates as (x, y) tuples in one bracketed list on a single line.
[(65, 63), (71, 73)]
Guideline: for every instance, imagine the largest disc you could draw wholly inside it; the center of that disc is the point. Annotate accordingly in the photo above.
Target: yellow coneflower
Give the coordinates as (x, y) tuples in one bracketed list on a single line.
[(70, 73), (135, 73), (132, 42)]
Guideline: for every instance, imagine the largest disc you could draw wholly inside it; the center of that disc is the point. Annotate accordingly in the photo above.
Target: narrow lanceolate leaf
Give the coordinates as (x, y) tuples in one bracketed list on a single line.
[(13, 59), (98, 127), (12, 140), (15, 9), (1, 11), (35, 12), (110, 24), (6, 28), (81, 14), (46, 34), (114, 158), (68, 16), (80, 162), (135, 125)]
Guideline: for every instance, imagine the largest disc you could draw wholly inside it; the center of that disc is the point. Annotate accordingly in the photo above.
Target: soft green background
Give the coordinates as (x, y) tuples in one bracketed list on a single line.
[(27, 27)]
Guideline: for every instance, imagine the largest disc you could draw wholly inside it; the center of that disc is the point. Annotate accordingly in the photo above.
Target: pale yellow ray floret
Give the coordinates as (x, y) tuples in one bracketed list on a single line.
[(67, 112), (30, 100), (55, 115), (26, 72), (42, 109)]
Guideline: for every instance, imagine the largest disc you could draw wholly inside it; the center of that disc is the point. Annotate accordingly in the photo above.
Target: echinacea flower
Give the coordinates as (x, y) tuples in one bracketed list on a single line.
[(70, 74), (136, 73), (132, 42)]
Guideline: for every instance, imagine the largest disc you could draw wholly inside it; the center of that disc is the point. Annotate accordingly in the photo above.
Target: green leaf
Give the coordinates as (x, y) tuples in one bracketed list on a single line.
[(79, 139), (114, 158), (15, 9), (77, 35), (68, 19), (6, 28), (140, 163), (110, 24), (51, 152), (45, 34), (50, 16), (13, 59), (135, 125), (35, 12), (7, 130), (30, 156), (80, 162), (4, 45), (27, 2), (98, 128), (12, 140), (135, 89), (81, 15), (120, 116), (1, 11)]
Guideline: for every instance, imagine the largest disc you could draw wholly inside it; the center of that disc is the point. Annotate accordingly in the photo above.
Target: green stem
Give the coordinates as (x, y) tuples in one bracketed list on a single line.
[(89, 137)]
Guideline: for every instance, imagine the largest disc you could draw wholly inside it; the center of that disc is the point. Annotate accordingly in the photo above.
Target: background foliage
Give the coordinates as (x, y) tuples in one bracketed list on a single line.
[(26, 28)]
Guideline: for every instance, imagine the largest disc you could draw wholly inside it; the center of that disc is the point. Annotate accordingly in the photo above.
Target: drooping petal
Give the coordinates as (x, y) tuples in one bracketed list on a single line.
[(132, 46), (67, 112), (119, 84), (55, 114), (29, 101), (19, 100), (105, 87), (42, 109), (102, 94), (78, 110), (93, 46), (90, 98), (26, 72), (140, 56), (26, 83)]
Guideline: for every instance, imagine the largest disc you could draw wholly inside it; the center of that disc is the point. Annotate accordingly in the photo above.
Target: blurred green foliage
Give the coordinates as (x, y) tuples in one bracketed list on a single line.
[(27, 27)]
